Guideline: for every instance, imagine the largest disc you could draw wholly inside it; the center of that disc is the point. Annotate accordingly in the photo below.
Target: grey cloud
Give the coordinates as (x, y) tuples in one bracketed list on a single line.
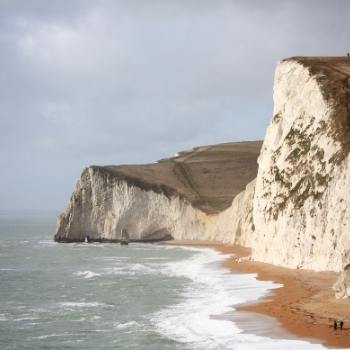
[(101, 82)]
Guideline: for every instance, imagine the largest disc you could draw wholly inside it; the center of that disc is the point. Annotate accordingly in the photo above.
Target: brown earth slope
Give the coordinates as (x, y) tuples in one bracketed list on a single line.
[(332, 73), (209, 177)]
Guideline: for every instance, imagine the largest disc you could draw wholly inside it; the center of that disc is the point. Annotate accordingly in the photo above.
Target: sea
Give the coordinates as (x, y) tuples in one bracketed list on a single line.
[(107, 296)]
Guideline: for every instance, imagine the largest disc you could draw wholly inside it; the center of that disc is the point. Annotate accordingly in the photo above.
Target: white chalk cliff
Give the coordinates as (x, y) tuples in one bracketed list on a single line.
[(185, 197), (295, 214), (102, 206), (301, 206)]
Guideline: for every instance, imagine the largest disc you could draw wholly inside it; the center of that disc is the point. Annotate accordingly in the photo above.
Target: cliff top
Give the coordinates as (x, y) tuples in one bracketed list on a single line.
[(209, 177), (337, 64), (331, 72)]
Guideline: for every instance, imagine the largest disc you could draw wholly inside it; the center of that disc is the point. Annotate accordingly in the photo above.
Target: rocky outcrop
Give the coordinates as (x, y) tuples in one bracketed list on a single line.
[(301, 207), (185, 197), (342, 285)]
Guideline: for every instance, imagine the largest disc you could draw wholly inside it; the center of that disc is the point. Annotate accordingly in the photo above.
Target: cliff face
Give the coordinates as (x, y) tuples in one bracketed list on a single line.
[(185, 197), (102, 205), (296, 213), (301, 206)]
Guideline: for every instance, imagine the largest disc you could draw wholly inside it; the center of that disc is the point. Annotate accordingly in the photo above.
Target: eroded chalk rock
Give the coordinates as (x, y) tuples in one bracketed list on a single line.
[(186, 197), (342, 286), (301, 207)]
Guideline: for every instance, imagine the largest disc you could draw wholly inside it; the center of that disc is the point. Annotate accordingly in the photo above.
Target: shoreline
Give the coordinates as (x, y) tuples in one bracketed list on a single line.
[(305, 306)]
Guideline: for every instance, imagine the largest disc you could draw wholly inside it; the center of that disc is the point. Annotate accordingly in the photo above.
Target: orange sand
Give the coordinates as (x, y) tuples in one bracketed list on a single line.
[(305, 305)]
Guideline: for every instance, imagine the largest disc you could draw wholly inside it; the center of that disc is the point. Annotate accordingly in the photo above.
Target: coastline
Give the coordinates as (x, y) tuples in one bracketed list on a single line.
[(304, 306)]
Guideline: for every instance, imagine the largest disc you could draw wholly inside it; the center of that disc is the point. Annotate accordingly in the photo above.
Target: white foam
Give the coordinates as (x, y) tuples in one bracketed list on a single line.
[(87, 274), (46, 336), (133, 269), (142, 268), (55, 335), (125, 325), (48, 243), (212, 291), (85, 245), (25, 318), (112, 258), (80, 304), (117, 270)]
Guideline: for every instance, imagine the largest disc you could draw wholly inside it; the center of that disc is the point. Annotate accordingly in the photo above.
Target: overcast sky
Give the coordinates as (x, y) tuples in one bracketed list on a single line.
[(108, 82)]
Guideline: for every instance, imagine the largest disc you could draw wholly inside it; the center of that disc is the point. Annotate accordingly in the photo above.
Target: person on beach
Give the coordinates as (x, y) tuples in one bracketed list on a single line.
[(335, 325), (341, 324)]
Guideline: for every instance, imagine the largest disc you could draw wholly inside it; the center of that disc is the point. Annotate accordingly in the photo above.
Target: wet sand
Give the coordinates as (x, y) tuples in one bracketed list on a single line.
[(304, 306)]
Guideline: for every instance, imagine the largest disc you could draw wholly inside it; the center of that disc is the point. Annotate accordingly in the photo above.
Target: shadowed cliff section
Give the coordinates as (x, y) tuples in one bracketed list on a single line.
[(208, 177)]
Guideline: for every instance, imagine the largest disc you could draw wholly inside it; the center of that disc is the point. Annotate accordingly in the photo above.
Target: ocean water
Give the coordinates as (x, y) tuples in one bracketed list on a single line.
[(107, 296)]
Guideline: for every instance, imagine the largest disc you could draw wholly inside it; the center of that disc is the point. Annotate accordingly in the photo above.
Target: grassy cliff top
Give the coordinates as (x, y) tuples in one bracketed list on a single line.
[(332, 73), (209, 177), (317, 64)]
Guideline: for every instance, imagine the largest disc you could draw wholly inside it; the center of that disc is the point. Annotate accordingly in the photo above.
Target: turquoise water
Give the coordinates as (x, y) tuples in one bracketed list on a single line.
[(107, 296)]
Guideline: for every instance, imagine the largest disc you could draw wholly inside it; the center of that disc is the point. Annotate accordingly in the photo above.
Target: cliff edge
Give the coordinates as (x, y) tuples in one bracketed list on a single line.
[(301, 206), (179, 197)]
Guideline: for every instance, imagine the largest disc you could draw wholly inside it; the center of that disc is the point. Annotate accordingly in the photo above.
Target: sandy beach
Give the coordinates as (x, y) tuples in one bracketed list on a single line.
[(305, 306)]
